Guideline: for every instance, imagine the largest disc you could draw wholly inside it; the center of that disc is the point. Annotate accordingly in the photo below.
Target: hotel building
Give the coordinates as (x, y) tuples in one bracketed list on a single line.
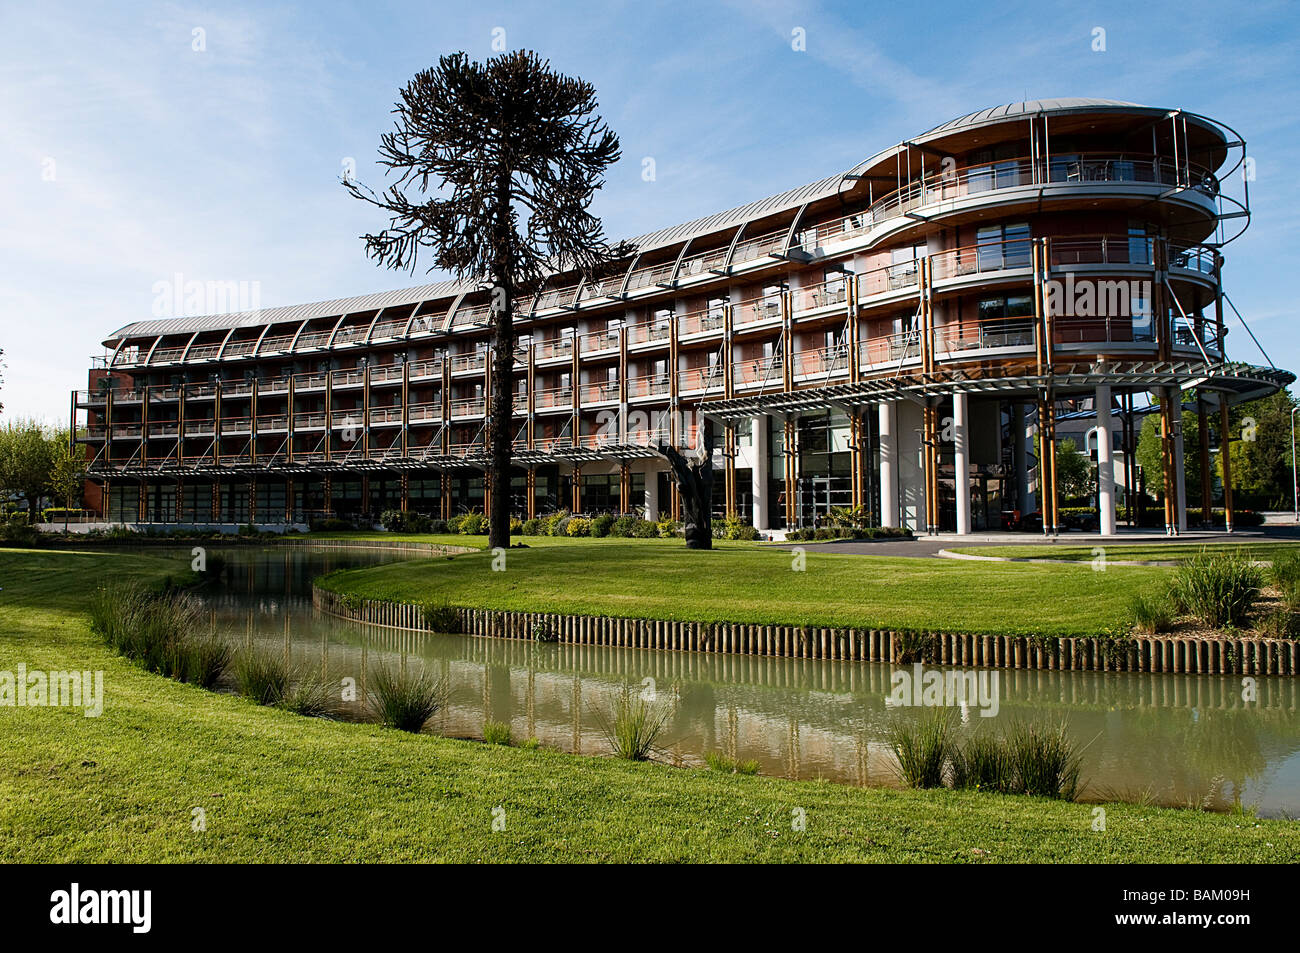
[(902, 336)]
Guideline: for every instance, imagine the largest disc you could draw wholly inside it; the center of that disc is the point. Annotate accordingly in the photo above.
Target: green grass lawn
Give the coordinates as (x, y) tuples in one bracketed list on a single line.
[(745, 583), (280, 788), (1264, 549), (477, 541)]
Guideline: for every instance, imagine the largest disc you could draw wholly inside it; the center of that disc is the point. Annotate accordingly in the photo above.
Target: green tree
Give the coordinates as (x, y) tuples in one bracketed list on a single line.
[(1075, 477), (26, 458), (67, 473), (500, 160), (1149, 457), (1260, 447)]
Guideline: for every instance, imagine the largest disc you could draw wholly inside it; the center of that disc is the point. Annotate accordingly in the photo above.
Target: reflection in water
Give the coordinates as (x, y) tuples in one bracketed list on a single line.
[(1167, 739)]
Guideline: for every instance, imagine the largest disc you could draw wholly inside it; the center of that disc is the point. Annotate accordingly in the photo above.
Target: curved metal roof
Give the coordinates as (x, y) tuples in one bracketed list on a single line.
[(709, 224), (1032, 107)]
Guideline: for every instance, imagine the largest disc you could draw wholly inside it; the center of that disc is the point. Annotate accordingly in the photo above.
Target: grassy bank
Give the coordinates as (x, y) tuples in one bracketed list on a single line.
[(1262, 549), (277, 787), (744, 583)]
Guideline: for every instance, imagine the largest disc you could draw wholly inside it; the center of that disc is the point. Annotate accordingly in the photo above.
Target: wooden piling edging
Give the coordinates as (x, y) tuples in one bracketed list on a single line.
[(1155, 654)]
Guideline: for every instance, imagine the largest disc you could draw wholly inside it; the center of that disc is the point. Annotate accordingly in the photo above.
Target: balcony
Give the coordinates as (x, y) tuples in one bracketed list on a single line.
[(167, 355), (599, 342), (418, 413), (704, 379), (704, 322), (468, 363), (824, 363), (309, 420), (833, 294), (203, 352), (551, 397), (557, 299), (652, 276), (389, 329), (348, 378), (758, 372), (600, 392), (561, 347), (1082, 169), (272, 423), (651, 385), (275, 345), (468, 407), (765, 309), (657, 332), (309, 340)]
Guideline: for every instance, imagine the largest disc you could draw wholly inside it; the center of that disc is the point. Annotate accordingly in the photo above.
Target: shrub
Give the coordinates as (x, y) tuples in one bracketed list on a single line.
[(725, 765), (561, 527), (155, 629), (394, 521), (1284, 574), (551, 522), (330, 525), (601, 525), (440, 616), (309, 695), (578, 526), (532, 527), (1280, 623), (16, 531), (262, 675), (203, 660), (748, 533), (983, 763), (622, 527), (453, 524), (406, 700), (922, 749), (497, 733), (1219, 588), (645, 529), (472, 524), (1044, 762), (635, 725), (667, 527), (516, 526), (1152, 613)]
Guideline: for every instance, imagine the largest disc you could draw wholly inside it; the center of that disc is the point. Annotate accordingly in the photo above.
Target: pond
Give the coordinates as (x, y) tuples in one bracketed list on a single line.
[(1170, 739)]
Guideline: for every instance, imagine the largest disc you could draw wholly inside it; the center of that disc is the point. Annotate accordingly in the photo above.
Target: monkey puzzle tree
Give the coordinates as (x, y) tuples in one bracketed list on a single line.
[(495, 164)]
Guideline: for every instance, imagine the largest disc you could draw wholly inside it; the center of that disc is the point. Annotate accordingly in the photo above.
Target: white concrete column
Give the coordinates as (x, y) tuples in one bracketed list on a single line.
[(1180, 470), (961, 461), (762, 451), (888, 426), (652, 495), (1105, 466)]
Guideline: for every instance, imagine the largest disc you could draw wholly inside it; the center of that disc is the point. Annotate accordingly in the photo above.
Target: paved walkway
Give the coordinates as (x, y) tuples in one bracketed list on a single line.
[(929, 546)]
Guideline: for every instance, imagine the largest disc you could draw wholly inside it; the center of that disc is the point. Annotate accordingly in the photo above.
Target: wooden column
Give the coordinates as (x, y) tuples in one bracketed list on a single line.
[(531, 482)]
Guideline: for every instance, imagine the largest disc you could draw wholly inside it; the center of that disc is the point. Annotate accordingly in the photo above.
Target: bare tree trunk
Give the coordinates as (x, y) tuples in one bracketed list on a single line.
[(694, 480), (502, 399)]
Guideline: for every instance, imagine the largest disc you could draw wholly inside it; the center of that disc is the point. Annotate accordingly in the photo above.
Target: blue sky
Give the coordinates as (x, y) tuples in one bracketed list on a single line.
[(130, 157)]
